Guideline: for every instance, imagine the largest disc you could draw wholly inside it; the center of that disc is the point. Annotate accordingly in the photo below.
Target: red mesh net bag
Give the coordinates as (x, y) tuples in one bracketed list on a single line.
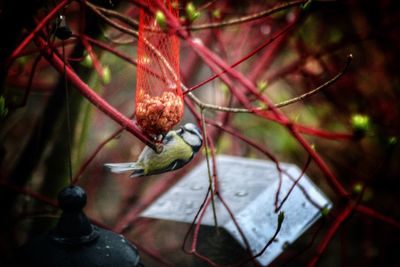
[(159, 99)]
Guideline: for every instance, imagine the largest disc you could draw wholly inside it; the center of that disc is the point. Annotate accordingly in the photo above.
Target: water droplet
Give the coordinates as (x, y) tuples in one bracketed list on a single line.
[(290, 17), (265, 29), (188, 211), (123, 241), (241, 194), (171, 85), (161, 203), (107, 246), (107, 255), (189, 204), (285, 245), (197, 41), (196, 187)]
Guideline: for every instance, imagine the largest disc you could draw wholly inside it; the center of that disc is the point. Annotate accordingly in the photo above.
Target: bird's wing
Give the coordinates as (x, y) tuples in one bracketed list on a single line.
[(175, 154), (122, 167)]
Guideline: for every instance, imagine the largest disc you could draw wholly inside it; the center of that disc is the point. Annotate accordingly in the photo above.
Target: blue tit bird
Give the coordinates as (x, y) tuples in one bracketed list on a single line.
[(179, 147)]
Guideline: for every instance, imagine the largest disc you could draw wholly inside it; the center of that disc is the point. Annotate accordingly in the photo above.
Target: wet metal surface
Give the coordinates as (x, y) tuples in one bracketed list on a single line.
[(249, 188)]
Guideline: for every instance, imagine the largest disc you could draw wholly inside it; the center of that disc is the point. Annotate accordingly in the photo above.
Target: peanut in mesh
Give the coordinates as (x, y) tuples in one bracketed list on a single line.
[(158, 114)]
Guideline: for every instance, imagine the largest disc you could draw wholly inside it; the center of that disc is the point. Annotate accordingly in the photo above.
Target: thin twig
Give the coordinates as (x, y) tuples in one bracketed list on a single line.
[(90, 95), (203, 123), (247, 18), (278, 105), (136, 34), (111, 22), (230, 22), (115, 14), (38, 28), (346, 212)]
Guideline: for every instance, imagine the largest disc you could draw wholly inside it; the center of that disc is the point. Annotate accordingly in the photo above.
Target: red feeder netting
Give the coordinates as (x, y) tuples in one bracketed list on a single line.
[(159, 99)]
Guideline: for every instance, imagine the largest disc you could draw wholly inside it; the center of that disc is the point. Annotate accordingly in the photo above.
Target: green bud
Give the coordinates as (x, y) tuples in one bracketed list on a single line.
[(224, 88), (262, 85), (306, 5), (360, 123), (263, 105), (325, 212), (191, 12), (22, 60), (392, 140), (281, 217), (3, 108), (357, 188), (216, 13), (285, 245), (87, 61), (161, 20), (106, 75)]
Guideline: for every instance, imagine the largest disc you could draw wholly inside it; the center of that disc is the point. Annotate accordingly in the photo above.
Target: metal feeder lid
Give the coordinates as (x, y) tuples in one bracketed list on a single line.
[(76, 242)]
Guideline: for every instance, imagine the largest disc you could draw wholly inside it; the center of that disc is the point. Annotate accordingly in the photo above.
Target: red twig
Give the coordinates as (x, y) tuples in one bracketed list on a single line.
[(331, 232), (157, 188), (252, 53), (30, 81), (310, 243), (324, 134), (38, 28), (96, 64), (208, 56), (89, 94), (111, 49), (295, 183), (31, 51), (322, 165), (376, 215), (30, 193), (94, 154)]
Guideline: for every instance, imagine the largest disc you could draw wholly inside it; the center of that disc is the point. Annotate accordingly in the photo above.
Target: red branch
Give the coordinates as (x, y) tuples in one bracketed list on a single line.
[(331, 232), (89, 94), (376, 215), (39, 27), (96, 64)]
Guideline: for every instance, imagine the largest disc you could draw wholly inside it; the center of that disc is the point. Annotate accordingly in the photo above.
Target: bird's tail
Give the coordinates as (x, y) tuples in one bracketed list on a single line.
[(125, 167)]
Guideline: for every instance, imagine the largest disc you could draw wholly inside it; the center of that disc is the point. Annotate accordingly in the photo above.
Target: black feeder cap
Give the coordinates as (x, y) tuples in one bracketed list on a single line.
[(76, 242), (63, 32)]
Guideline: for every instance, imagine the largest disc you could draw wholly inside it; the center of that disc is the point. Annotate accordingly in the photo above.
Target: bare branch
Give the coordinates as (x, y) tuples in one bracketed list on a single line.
[(278, 105)]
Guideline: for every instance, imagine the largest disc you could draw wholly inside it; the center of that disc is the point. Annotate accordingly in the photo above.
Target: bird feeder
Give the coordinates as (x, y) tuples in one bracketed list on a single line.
[(159, 99), (77, 242), (249, 187)]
